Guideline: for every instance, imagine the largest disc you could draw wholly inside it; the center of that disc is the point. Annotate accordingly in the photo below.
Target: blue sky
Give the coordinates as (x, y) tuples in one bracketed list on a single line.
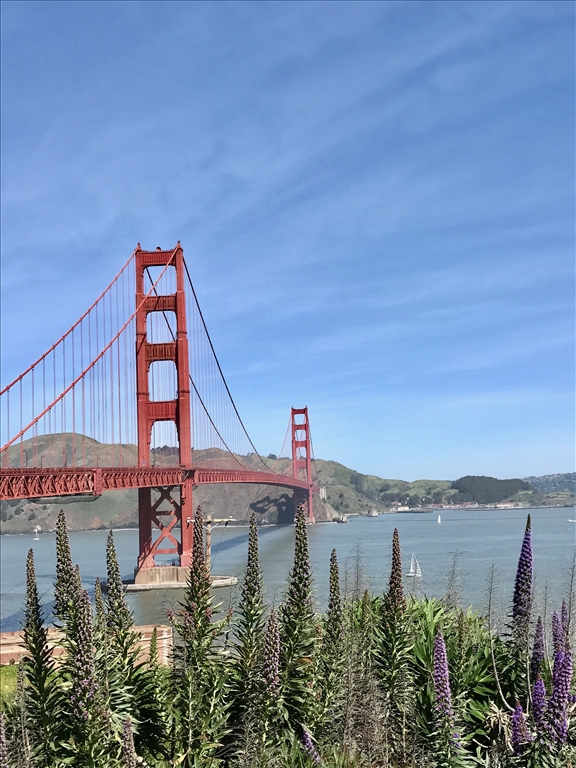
[(376, 201)]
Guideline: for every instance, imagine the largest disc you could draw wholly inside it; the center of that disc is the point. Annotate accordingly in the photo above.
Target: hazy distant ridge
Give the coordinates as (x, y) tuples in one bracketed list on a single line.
[(550, 483)]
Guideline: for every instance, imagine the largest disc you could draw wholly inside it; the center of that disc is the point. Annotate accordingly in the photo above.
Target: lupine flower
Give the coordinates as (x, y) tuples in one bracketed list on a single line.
[(557, 710), (84, 686), (299, 592), (271, 658), (66, 584), (522, 600), (539, 702), (99, 604), (298, 632), (251, 620), (557, 633), (3, 745), (334, 621), (153, 649), (442, 693), (520, 733), (34, 631), (119, 616), (565, 621), (252, 587), (537, 649), (128, 751), (394, 602), (309, 748), (199, 579)]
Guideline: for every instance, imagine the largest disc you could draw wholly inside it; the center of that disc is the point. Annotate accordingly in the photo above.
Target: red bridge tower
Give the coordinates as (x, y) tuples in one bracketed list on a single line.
[(172, 501), (302, 453)]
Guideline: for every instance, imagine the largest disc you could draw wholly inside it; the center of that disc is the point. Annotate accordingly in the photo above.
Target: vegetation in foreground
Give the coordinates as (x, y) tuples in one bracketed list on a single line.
[(383, 681)]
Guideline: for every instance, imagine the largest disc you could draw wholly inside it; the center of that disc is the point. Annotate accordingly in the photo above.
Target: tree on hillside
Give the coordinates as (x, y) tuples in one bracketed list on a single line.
[(487, 490)]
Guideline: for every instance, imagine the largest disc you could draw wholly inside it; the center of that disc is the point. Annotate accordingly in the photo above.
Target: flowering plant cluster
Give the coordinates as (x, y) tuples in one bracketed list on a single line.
[(381, 680)]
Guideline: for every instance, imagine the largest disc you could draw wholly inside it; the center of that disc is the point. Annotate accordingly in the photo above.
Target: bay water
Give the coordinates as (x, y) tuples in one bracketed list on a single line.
[(470, 544)]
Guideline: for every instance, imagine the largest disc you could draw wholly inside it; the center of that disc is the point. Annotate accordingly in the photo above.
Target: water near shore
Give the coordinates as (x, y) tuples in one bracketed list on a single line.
[(483, 537)]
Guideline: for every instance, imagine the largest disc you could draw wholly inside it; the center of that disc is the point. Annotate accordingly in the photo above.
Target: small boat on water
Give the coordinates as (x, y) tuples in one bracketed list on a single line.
[(37, 530), (571, 521), (439, 519), (415, 571)]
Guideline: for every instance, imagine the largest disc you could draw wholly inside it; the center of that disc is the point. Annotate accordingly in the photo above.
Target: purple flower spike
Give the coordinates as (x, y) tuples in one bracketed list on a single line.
[(442, 693), (557, 710), (84, 686), (128, 751), (539, 702), (537, 649), (565, 621), (557, 633), (309, 748), (271, 668), (522, 601), (520, 733)]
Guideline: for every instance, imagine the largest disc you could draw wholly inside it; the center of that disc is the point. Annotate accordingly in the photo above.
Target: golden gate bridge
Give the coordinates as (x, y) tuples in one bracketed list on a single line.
[(133, 396)]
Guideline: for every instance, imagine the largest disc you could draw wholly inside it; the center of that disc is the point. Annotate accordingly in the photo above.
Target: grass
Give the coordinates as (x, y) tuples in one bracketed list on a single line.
[(8, 676)]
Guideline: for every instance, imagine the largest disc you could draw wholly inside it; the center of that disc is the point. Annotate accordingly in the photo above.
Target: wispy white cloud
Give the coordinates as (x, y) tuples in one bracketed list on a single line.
[(371, 195)]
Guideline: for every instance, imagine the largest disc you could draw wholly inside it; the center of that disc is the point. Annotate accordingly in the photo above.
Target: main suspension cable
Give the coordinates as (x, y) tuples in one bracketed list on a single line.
[(219, 368)]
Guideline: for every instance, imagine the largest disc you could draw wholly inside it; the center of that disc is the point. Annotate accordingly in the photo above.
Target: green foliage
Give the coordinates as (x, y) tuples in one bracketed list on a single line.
[(249, 639), (392, 652), (131, 685), (332, 660), (8, 675), (378, 682), (44, 694), (487, 490), (298, 634), (200, 686)]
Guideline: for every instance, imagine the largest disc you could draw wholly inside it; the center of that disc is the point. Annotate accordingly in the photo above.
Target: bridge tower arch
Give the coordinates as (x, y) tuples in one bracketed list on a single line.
[(171, 502)]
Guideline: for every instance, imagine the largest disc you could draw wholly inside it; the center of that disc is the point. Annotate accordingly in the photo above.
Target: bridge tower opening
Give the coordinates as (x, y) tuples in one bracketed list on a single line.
[(302, 457), (167, 508)]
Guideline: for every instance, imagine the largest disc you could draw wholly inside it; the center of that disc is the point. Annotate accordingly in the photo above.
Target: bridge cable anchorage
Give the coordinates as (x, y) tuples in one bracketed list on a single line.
[(198, 393), (219, 368), (88, 368)]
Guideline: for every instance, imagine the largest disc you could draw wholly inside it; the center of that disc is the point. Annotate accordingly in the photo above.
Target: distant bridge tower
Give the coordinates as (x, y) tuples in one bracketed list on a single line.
[(302, 454), (172, 501)]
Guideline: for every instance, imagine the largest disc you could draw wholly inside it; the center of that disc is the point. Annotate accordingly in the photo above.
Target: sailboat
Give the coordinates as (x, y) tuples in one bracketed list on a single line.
[(439, 519), (414, 571), (37, 530)]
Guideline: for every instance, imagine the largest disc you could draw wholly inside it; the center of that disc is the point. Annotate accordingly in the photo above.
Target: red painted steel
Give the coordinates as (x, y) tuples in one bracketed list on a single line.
[(302, 452), (68, 332), (163, 492), (177, 495), (43, 483)]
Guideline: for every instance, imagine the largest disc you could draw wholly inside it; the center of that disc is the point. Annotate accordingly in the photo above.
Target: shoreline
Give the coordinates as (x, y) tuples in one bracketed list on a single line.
[(415, 511)]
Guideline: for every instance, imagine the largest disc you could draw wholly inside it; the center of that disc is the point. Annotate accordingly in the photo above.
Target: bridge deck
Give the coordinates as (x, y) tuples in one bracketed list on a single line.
[(34, 483)]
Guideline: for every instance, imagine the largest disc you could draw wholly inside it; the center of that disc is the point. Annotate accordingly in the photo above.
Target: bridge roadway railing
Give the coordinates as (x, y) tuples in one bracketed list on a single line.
[(34, 483)]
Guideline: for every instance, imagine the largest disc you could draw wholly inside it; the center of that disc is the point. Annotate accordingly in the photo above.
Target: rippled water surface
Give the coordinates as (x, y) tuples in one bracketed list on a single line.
[(481, 537)]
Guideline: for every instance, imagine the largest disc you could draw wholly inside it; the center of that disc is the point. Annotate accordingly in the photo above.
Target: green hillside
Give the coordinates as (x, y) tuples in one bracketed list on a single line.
[(347, 490)]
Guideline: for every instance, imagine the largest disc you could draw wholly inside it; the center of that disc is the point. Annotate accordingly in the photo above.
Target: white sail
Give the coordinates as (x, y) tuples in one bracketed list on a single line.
[(415, 571), (439, 519)]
